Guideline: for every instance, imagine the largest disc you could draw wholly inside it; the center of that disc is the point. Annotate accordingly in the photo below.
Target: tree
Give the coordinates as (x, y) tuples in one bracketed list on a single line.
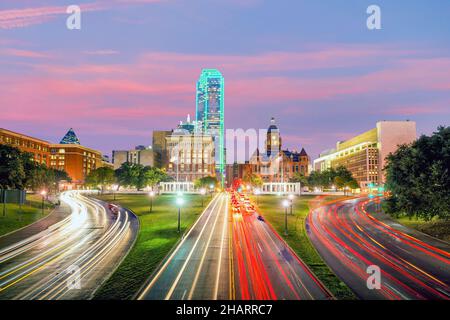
[(19, 171), (12, 169), (139, 177), (126, 175), (344, 179), (206, 182), (418, 177), (253, 180), (155, 176), (315, 179), (100, 177), (140, 180), (38, 178), (301, 178), (328, 177), (340, 177), (352, 184)]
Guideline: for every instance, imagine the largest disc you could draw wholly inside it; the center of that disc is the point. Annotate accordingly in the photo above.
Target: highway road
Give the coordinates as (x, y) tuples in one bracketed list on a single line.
[(229, 256), (198, 268), (265, 268), (352, 235), (71, 258)]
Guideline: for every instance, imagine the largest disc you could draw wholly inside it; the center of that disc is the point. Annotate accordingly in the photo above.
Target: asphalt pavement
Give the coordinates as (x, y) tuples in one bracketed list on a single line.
[(69, 259), (359, 242), (198, 268), (265, 267)]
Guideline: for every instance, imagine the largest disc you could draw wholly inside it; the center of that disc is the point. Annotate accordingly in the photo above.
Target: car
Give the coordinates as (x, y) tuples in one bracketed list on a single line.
[(113, 208)]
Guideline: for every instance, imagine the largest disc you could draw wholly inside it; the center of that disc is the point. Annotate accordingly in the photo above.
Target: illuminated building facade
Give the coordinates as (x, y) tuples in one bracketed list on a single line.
[(364, 155), (40, 149), (275, 164), (76, 160), (69, 156), (210, 113), (191, 156)]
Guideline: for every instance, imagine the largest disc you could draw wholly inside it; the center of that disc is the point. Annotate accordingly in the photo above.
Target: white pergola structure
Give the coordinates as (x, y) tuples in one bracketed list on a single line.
[(281, 188), (175, 187)]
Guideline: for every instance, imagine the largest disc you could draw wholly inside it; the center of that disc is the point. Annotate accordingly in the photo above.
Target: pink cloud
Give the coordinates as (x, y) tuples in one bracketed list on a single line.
[(23, 53), (157, 89), (436, 107), (19, 18)]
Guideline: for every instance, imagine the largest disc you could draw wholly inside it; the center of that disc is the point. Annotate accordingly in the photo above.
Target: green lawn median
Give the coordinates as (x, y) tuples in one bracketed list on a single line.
[(14, 217), (437, 228), (157, 236), (272, 210)]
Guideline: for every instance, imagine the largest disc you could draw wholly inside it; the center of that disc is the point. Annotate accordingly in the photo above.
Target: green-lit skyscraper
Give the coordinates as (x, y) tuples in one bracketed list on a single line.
[(210, 113)]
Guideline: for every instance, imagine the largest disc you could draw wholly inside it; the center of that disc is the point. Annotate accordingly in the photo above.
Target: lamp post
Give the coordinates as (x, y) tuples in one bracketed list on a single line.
[(257, 193), (211, 188), (285, 205), (114, 189), (43, 194), (180, 202), (203, 192), (291, 199), (151, 194)]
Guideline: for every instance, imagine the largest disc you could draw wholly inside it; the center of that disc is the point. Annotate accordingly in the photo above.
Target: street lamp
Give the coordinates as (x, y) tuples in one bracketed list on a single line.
[(211, 188), (180, 202), (114, 189), (43, 194), (285, 205), (203, 192), (257, 193), (151, 194), (291, 199)]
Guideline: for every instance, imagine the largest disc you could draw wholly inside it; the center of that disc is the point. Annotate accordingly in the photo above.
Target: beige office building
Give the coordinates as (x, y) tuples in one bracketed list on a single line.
[(190, 156), (140, 155), (159, 146), (365, 154)]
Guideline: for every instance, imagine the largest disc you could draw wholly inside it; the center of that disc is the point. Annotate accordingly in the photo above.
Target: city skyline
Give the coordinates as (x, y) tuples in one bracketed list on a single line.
[(227, 155), (327, 84)]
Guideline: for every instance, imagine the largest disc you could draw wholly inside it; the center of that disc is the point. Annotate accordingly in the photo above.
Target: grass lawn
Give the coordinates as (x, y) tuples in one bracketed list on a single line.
[(437, 228), (157, 236), (298, 240), (17, 217)]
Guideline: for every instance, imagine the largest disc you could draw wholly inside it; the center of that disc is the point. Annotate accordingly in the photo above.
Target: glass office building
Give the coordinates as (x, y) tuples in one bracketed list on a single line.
[(210, 113)]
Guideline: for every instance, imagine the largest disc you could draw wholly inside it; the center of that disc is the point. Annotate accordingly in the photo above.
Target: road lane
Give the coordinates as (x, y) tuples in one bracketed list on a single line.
[(350, 239), (198, 268), (71, 258), (265, 268)]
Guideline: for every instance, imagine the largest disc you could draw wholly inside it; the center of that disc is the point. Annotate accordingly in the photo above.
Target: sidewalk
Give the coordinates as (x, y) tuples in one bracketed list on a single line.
[(58, 214)]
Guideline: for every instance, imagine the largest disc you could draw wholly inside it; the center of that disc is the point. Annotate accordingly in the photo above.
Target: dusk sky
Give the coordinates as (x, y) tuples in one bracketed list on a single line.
[(133, 66)]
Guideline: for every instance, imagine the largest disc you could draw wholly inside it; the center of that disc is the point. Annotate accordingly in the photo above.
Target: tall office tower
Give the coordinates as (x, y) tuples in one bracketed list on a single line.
[(210, 113)]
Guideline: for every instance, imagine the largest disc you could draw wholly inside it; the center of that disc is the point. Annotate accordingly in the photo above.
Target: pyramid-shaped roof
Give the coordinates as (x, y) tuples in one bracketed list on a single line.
[(303, 152), (70, 138)]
